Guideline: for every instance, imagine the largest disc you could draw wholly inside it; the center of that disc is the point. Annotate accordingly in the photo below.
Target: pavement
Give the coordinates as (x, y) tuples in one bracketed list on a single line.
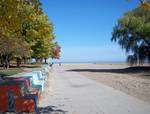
[(71, 93)]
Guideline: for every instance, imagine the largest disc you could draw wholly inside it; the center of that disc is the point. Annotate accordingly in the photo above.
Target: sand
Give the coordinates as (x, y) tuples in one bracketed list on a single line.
[(71, 90), (132, 81)]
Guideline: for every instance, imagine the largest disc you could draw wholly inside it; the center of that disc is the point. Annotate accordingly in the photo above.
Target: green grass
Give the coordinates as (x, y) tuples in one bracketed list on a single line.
[(11, 71), (31, 66)]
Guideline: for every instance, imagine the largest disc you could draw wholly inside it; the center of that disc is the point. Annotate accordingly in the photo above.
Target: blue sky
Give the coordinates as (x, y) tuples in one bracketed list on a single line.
[(83, 28)]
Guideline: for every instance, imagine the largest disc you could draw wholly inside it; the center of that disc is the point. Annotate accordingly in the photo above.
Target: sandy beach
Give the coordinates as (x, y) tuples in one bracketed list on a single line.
[(133, 81), (96, 89)]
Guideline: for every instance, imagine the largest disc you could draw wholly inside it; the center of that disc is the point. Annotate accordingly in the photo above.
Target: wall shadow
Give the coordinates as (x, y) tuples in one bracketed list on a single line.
[(143, 69), (50, 110)]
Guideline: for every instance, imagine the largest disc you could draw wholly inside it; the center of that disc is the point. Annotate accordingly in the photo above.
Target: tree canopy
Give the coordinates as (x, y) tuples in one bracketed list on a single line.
[(145, 4), (132, 32), (25, 31)]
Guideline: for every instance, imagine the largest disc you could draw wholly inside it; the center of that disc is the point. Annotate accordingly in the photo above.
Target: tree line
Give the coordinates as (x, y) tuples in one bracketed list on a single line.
[(25, 32)]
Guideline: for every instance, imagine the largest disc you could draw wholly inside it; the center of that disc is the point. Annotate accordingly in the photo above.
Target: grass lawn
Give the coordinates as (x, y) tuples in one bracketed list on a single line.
[(13, 70), (31, 65), (10, 71)]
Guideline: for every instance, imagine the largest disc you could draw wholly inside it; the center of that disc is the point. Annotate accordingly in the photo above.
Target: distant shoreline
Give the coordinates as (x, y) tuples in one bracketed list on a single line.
[(93, 62)]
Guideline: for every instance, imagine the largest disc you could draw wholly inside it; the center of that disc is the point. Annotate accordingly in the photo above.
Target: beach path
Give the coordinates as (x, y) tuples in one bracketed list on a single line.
[(71, 93)]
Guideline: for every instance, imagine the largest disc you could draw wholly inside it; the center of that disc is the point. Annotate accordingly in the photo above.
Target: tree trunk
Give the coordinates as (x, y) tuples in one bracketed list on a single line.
[(41, 60), (6, 65), (45, 60), (18, 61), (24, 60), (3, 57), (2, 61), (36, 60)]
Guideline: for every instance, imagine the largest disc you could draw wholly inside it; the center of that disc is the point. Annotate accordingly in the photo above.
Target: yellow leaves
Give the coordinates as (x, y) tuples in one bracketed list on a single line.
[(32, 17), (9, 16), (20, 20), (13, 45), (34, 8), (39, 12), (9, 19), (146, 6), (32, 33)]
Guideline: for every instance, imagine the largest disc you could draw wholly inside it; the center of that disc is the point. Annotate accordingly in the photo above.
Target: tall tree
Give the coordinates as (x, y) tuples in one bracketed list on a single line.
[(132, 33), (144, 4), (23, 22), (144, 1), (10, 34)]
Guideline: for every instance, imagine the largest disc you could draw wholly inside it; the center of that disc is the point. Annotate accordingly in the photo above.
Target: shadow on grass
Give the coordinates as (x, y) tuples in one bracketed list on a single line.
[(31, 66), (10, 72), (50, 110), (129, 70), (24, 66)]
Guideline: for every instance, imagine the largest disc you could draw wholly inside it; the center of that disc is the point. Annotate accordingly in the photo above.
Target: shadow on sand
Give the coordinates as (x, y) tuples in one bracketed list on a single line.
[(143, 69), (50, 110)]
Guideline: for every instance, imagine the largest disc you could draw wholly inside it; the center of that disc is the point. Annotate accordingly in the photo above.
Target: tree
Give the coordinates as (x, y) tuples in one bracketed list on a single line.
[(24, 28), (132, 33), (144, 4), (12, 47), (11, 42), (42, 38), (37, 31), (55, 51), (142, 1)]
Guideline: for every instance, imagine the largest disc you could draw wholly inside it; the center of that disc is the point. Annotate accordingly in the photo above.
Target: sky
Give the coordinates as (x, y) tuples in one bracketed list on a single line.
[(83, 28)]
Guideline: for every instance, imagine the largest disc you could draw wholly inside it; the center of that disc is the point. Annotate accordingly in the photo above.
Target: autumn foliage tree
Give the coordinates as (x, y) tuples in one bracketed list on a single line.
[(25, 31), (10, 36), (144, 4), (55, 51)]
